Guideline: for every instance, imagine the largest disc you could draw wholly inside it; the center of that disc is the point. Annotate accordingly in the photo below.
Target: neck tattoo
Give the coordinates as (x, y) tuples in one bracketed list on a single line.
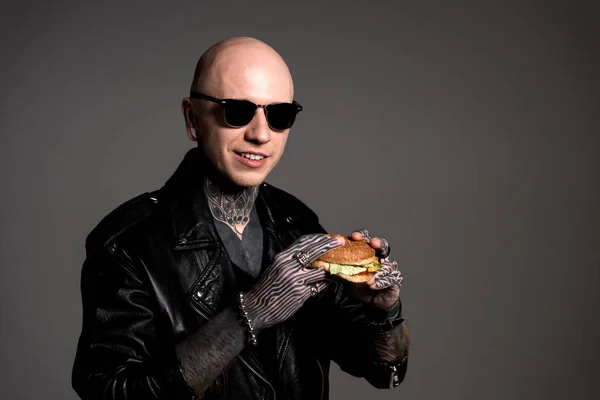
[(232, 209)]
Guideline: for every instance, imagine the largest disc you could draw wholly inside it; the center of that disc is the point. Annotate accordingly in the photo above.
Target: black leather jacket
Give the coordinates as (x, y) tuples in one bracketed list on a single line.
[(156, 270)]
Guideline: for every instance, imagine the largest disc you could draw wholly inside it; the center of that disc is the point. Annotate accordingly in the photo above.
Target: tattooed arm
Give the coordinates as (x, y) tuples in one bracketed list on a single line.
[(203, 355)]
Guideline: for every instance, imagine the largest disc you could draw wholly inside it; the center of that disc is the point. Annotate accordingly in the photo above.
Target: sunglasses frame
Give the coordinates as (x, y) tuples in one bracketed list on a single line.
[(223, 103)]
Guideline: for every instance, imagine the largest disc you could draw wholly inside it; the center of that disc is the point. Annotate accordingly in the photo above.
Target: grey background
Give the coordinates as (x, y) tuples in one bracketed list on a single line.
[(466, 133)]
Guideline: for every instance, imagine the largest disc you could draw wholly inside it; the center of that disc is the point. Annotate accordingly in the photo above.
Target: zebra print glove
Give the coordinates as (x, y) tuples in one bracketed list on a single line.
[(287, 283)]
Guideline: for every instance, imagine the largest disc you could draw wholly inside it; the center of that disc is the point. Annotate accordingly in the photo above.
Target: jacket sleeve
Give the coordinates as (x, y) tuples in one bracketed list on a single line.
[(347, 338), (121, 354)]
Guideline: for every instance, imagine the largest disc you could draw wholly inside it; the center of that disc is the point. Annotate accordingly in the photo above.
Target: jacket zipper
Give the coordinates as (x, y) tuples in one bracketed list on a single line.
[(394, 381), (285, 346), (260, 376)]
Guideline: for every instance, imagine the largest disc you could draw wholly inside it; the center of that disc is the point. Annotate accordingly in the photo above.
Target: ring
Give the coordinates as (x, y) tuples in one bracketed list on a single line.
[(313, 290), (302, 258)]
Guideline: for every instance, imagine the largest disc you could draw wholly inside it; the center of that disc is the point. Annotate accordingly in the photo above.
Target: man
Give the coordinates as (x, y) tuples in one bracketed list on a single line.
[(202, 289)]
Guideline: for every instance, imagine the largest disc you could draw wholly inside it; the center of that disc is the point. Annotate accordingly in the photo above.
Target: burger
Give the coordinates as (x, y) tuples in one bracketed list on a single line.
[(355, 261)]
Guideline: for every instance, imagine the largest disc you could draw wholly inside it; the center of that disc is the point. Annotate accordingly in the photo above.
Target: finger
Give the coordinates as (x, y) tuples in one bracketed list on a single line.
[(390, 265), (381, 246), (390, 282), (371, 281), (386, 269), (308, 248), (312, 276), (321, 245), (322, 285), (361, 234), (385, 281), (312, 290)]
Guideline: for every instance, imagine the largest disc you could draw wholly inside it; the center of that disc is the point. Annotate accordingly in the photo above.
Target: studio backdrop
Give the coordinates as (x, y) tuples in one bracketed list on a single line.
[(466, 133)]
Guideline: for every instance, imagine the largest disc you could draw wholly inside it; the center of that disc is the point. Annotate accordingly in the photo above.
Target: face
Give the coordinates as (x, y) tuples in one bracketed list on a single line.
[(245, 156)]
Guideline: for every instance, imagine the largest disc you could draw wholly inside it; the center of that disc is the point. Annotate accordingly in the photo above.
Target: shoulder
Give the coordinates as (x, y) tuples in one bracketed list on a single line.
[(121, 219)]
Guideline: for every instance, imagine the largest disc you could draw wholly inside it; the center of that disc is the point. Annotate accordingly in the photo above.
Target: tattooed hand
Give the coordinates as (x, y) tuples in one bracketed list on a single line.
[(383, 290), (286, 284)]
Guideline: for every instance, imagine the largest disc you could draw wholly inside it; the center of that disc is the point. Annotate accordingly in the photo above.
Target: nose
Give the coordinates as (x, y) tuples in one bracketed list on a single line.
[(258, 130)]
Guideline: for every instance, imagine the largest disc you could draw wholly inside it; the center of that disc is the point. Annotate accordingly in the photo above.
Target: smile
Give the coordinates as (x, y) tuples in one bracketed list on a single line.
[(251, 156)]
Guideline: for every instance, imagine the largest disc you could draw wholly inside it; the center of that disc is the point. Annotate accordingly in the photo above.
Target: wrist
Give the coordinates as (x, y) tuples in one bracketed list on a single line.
[(248, 322), (247, 305)]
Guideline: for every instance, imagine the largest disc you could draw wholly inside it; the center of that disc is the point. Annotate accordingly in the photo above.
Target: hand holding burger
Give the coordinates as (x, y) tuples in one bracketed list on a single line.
[(365, 264)]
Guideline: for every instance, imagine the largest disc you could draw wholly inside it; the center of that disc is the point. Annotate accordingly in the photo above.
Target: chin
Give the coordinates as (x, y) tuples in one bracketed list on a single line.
[(248, 179)]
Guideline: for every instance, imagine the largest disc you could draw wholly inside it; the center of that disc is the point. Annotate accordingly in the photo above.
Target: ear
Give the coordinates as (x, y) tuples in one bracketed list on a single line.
[(189, 117)]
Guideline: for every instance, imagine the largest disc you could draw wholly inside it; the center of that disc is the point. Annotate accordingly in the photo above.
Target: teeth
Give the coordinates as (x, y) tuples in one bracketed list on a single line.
[(252, 156)]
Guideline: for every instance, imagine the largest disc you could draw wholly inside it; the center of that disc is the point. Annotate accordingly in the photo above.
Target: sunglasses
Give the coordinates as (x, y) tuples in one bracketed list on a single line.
[(239, 113)]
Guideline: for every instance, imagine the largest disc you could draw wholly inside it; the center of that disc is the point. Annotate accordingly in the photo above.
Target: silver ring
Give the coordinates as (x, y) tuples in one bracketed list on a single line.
[(313, 290), (302, 258)]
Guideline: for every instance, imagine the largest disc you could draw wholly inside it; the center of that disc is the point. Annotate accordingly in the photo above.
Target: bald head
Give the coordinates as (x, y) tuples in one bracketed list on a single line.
[(243, 66)]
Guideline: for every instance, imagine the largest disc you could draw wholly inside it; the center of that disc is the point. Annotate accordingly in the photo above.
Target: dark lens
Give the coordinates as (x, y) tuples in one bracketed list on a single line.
[(281, 116), (239, 112)]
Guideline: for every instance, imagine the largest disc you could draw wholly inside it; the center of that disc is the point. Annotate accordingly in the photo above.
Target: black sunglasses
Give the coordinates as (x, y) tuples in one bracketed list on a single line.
[(238, 113)]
